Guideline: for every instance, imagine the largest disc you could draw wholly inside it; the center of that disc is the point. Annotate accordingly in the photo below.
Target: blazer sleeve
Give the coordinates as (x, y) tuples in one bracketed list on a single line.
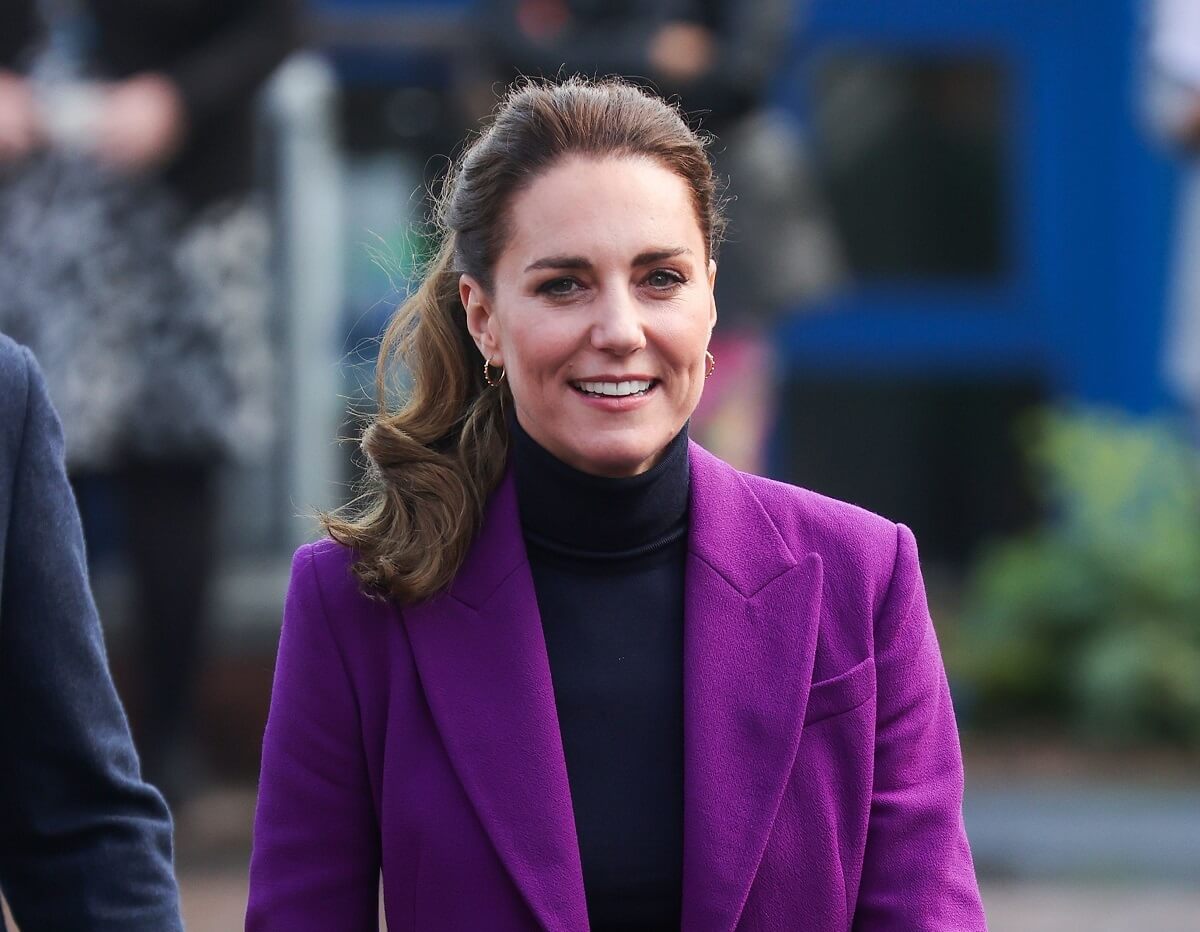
[(917, 871), (84, 843), (316, 858)]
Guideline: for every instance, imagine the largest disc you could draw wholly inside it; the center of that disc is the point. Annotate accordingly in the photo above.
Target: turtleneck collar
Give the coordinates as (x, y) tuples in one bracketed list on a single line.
[(567, 510)]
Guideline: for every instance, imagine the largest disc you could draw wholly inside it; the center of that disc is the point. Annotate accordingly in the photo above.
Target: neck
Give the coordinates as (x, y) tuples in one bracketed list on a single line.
[(564, 507)]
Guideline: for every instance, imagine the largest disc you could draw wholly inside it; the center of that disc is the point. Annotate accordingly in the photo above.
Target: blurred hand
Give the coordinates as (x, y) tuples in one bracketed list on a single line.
[(142, 123), (682, 51), (21, 131)]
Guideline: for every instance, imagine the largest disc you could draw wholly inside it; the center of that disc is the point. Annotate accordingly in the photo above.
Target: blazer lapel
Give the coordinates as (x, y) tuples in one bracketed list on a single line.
[(750, 635), (482, 660)]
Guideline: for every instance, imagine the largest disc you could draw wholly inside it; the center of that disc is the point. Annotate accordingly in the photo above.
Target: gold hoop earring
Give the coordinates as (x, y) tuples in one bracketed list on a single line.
[(712, 363), (487, 374)]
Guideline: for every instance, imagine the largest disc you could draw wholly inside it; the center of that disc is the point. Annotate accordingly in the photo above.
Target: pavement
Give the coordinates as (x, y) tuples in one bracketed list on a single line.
[(1031, 829)]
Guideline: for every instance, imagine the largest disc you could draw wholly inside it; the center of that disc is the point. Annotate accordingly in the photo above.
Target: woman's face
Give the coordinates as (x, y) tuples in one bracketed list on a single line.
[(600, 311)]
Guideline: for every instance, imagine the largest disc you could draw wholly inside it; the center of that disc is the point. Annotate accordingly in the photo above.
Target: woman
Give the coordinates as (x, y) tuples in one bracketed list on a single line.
[(133, 262), (563, 669)]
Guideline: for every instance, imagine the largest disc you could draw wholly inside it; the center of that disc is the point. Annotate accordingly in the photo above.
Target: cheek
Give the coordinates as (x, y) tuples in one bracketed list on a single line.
[(684, 347), (537, 355)]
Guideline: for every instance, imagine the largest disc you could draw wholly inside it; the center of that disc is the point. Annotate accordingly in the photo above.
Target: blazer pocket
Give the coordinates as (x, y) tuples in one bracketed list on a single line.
[(842, 693)]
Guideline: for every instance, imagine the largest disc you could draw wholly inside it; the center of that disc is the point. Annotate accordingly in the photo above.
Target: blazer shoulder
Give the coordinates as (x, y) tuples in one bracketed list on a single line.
[(329, 565), (818, 521), (858, 548), (854, 544), (326, 606), (323, 573)]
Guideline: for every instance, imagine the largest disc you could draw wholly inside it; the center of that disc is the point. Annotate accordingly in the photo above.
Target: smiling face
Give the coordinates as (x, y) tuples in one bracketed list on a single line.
[(600, 311)]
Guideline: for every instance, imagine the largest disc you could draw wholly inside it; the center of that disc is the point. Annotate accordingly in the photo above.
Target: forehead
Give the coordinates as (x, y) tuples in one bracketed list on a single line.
[(598, 208)]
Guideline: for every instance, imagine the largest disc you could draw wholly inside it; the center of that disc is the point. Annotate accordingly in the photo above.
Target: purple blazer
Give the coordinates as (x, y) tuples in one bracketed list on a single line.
[(822, 774)]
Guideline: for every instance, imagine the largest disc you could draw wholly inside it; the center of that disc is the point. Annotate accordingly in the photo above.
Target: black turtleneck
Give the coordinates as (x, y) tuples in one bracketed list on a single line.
[(608, 565)]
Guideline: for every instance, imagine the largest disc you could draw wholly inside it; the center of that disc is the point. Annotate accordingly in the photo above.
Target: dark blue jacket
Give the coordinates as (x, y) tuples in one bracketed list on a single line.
[(84, 843)]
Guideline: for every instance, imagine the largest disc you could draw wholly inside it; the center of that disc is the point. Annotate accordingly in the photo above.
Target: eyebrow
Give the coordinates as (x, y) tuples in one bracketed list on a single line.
[(579, 262)]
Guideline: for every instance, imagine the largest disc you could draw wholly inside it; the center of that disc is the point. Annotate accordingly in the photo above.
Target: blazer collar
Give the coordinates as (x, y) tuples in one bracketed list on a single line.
[(482, 660), (750, 635), (750, 624)]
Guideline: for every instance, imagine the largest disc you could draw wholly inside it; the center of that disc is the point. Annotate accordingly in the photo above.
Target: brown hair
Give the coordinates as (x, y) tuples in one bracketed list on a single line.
[(434, 460)]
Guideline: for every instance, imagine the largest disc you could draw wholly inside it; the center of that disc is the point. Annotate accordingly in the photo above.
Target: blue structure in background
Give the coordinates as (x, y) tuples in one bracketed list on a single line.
[(1088, 220)]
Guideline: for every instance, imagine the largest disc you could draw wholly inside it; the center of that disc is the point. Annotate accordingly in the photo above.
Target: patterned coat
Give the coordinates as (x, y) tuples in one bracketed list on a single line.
[(145, 297)]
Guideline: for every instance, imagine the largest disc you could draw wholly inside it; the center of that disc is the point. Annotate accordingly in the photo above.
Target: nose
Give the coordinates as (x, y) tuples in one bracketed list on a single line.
[(618, 326)]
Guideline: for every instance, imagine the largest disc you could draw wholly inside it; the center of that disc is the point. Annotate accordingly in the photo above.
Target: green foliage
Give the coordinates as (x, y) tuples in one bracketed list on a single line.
[(1092, 621)]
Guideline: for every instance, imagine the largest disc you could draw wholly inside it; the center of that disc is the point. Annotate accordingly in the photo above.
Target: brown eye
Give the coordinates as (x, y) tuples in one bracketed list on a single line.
[(558, 287), (663, 279)]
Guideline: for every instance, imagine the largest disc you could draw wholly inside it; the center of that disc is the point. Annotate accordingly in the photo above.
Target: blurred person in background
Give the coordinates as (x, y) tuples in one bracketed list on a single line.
[(1173, 104), (133, 262), (85, 845), (719, 57)]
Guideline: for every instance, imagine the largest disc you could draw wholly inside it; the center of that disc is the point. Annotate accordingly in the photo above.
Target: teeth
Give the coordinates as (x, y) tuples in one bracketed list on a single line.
[(614, 388)]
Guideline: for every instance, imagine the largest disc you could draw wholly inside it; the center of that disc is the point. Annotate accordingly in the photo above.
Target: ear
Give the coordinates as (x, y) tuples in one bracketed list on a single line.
[(480, 319), (712, 284)]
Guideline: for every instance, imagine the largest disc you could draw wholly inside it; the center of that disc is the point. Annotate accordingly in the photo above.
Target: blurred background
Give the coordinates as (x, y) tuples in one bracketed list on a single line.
[(958, 290)]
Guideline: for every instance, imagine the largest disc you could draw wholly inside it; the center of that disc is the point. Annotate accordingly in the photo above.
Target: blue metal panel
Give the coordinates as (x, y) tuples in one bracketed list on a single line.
[(915, 329), (1088, 209)]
